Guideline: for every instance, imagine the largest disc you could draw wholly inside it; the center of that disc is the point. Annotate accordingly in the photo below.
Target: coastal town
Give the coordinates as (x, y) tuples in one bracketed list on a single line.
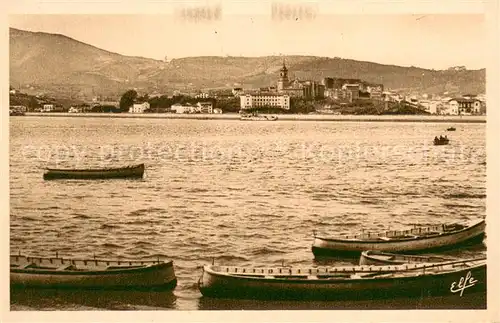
[(330, 95)]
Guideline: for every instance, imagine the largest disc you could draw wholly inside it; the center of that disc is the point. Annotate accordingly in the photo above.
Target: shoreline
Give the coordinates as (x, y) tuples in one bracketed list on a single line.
[(281, 117)]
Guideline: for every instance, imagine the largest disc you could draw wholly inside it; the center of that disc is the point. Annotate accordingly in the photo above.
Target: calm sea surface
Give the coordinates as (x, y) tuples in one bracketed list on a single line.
[(246, 193)]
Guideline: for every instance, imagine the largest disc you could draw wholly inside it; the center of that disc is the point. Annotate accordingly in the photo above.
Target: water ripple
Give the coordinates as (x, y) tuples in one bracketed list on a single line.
[(239, 193)]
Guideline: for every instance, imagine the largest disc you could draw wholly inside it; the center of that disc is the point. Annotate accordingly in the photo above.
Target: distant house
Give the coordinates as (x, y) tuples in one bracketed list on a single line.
[(352, 91), (465, 106), (48, 108), (205, 107), (18, 108), (375, 91), (183, 108), (139, 107), (201, 95), (431, 106)]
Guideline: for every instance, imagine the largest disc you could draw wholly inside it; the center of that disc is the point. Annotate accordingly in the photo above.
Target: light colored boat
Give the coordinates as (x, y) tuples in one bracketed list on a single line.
[(371, 257), (356, 282), (255, 117), (91, 273), (135, 171), (413, 240)]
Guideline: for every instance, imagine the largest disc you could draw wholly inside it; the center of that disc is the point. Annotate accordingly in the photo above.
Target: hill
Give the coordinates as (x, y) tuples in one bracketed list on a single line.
[(59, 65)]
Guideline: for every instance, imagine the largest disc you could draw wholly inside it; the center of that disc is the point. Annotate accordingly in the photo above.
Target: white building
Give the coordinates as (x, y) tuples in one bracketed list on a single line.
[(249, 101), (48, 108), (201, 95), (465, 106), (205, 107), (431, 106), (451, 108), (139, 107), (183, 108)]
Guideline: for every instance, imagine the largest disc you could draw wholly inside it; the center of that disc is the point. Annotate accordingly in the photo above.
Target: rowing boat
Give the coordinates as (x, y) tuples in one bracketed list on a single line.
[(441, 141), (59, 272), (134, 171), (435, 237), (371, 257), (356, 282)]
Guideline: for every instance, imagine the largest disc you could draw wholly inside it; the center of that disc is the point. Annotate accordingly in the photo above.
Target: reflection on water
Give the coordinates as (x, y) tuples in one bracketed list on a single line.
[(238, 193), (67, 299), (470, 301)]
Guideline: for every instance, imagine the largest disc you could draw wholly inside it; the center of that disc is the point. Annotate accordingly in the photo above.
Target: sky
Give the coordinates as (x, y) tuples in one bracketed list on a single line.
[(424, 40)]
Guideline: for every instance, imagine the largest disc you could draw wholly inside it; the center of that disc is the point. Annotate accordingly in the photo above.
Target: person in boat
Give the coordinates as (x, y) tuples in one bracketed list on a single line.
[(436, 138)]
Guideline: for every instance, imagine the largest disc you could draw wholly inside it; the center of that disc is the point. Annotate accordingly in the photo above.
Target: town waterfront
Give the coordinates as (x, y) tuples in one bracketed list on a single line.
[(282, 117), (239, 193)]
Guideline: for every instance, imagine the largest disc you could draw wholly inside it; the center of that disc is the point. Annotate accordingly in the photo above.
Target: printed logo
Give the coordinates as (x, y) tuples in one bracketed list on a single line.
[(463, 283)]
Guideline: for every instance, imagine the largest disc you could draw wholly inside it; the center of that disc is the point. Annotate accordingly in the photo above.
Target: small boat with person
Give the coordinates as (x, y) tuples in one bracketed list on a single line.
[(441, 140), (356, 282), (434, 237), (134, 171), (451, 129), (57, 272), (379, 258)]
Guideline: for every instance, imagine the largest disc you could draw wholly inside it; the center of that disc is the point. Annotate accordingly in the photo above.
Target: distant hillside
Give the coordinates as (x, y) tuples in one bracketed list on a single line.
[(60, 65)]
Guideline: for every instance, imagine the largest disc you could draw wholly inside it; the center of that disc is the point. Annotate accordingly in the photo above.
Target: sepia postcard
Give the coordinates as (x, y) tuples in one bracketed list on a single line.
[(251, 161)]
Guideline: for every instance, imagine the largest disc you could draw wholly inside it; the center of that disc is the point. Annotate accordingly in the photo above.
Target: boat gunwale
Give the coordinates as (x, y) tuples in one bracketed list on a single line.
[(114, 271), (92, 170), (415, 238), (355, 279)]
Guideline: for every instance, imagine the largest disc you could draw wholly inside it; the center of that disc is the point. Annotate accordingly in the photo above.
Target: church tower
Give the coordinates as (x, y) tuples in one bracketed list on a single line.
[(283, 79)]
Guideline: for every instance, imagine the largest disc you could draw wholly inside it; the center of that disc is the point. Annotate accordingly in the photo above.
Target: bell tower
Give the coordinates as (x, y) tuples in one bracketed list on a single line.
[(283, 79)]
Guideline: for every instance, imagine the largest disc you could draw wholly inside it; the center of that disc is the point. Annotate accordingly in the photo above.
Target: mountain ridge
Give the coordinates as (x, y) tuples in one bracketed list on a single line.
[(60, 65)]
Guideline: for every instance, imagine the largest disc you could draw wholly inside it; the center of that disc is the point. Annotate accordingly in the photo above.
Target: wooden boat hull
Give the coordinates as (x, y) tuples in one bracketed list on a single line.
[(124, 275), (125, 172), (441, 143), (332, 246), (218, 285), (378, 258)]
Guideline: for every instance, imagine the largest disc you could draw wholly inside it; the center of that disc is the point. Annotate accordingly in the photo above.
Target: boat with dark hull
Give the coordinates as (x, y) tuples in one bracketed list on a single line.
[(441, 141), (56, 272), (416, 240), (357, 282), (451, 129), (378, 258), (134, 171)]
